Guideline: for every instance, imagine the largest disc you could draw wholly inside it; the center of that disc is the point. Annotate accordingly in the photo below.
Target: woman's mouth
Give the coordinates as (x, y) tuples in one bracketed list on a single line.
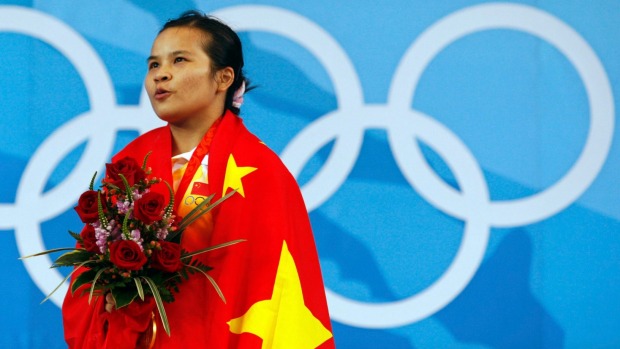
[(161, 93)]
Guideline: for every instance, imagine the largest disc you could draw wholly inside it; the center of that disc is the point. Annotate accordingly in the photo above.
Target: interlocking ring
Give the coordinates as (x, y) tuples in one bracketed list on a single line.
[(472, 203), (346, 125), (98, 126)]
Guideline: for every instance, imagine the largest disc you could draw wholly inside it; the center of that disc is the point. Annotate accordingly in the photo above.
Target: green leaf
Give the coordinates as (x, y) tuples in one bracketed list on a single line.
[(126, 224), (173, 279), (138, 282), (201, 209), (94, 282), (183, 274), (215, 285), (123, 296), (170, 206), (83, 279), (72, 258), (76, 236), (225, 244), (127, 188), (197, 212), (102, 219), (64, 280), (112, 186), (223, 198), (146, 157), (196, 264), (160, 304), (52, 251), (92, 181)]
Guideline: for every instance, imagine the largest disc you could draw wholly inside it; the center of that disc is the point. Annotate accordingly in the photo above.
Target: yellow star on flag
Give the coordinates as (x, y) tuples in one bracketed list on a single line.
[(232, 178), (284, 321)]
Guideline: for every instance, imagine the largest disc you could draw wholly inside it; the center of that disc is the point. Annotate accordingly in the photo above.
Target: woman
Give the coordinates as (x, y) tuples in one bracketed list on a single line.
[(272, 282)]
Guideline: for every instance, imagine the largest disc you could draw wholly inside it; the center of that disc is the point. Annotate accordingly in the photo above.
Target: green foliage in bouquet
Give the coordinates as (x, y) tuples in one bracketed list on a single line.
[(130, 244)]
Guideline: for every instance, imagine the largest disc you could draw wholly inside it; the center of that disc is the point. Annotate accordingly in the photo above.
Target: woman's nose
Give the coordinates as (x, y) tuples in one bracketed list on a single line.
[(162, 75)]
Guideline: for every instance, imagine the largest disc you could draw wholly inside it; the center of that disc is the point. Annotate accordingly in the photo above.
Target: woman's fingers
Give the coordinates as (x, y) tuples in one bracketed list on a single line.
[(110, 304)]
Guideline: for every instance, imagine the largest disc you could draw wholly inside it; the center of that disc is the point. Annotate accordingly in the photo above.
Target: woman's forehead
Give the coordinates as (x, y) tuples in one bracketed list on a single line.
[(179, 39)]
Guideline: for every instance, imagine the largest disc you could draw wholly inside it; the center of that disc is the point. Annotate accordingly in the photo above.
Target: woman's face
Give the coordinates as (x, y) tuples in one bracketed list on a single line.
[(180, 82)]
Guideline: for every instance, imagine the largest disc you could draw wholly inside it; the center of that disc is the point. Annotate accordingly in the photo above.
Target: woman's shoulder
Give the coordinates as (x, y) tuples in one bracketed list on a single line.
[(257, 149), (145, 143), (249, 150)]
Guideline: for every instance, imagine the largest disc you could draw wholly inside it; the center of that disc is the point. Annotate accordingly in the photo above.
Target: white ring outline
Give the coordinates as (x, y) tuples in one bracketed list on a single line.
[(339, 68), (28, 201), (350, 121), (523, 211), (476, 18), (475, 235), (96, 126), (600, 146)]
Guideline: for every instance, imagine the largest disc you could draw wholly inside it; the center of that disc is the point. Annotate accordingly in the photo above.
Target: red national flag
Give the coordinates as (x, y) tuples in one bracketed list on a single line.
[(200, 188), (272, 282)]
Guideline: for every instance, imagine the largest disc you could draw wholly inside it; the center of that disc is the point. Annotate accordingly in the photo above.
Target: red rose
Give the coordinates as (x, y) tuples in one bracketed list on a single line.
[(126, 166), (87, 206), (89, 241), (126, 254), (168, 258), (149, 208)]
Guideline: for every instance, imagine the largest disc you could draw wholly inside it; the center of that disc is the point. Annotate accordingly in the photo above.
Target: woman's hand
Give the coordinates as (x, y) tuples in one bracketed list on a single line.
[(110, 304)]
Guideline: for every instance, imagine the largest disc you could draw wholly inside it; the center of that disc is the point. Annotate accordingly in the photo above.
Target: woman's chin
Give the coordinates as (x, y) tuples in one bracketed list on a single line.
[(165, 117)]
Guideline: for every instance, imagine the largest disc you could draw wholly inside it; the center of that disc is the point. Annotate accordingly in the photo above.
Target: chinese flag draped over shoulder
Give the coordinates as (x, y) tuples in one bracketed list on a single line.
[(272, 282), (281, 299)]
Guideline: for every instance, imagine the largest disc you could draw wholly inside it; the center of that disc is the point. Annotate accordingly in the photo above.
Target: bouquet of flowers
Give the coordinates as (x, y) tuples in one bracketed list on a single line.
[(130, 244)]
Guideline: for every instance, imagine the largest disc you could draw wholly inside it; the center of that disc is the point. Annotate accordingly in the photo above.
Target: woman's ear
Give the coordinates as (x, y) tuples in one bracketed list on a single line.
[(225, 78)]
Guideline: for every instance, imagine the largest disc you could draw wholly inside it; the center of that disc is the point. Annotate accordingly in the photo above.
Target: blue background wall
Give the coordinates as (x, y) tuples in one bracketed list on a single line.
[(458, 158)]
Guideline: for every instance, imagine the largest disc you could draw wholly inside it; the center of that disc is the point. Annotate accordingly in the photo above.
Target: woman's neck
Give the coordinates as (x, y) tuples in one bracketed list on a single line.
[(186, 136)]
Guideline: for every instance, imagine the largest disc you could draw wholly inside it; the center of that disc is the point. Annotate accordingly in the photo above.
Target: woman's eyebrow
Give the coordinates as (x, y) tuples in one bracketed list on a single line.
[(174, 53)]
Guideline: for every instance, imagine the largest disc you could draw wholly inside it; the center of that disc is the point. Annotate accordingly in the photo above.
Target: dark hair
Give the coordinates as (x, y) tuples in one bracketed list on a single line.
[(222, 45)]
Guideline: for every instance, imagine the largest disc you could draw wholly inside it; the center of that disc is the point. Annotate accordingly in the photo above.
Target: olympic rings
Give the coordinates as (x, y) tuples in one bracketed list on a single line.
[(472, 204), (346, 126)]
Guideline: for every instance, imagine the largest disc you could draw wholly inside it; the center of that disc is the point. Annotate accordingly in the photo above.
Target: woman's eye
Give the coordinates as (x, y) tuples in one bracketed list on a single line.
[(153, 65), (179, 59)]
